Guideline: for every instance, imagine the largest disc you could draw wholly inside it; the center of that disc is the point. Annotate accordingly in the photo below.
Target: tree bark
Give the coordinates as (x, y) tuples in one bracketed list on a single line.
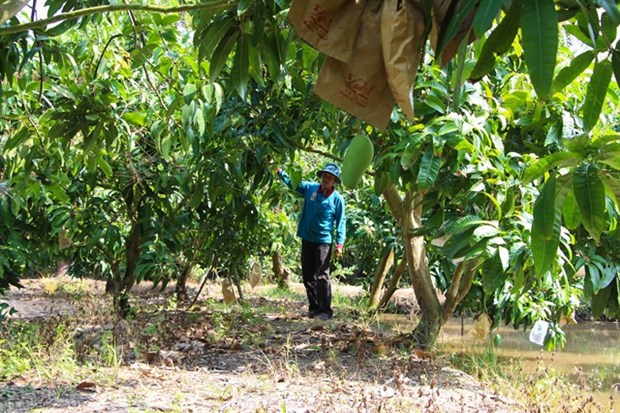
[(380, 273), (180, 289), (393, 286), (407, 212), (461, 282)]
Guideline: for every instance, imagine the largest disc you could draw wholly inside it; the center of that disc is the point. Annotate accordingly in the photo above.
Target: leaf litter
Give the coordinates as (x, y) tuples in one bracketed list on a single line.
[(230, 358)]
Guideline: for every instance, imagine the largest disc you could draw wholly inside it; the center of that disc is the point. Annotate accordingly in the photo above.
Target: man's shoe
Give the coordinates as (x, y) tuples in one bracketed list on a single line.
[(325, 316), (312, 314)]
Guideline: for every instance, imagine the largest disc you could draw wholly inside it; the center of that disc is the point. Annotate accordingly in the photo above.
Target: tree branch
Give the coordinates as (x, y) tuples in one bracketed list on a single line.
[(214, 5), (461, 283), (103, 52), (394, 202)]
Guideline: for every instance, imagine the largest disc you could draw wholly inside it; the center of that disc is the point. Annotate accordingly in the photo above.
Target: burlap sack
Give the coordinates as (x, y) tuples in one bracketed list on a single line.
[(402, 36), (360, 86), (330, 26)]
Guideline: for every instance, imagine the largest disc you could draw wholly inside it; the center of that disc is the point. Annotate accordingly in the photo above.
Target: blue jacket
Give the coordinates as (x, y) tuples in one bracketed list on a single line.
[(320, 213)]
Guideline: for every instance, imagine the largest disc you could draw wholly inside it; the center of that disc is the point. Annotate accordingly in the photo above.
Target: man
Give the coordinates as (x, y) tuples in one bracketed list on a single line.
[(322, 213)]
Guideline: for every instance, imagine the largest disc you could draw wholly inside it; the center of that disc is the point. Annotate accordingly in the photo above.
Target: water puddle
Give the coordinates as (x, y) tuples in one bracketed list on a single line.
[(592, 350)]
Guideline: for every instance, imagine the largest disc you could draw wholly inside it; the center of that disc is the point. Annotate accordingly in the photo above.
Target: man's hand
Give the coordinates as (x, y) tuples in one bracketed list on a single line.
[(338, 252)]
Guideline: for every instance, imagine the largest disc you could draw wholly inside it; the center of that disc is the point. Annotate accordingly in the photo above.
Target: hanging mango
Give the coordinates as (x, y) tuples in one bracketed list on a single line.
[(356, 160)]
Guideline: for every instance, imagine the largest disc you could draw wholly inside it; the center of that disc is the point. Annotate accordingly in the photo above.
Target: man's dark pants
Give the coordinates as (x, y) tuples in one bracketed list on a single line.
[(315, 261)]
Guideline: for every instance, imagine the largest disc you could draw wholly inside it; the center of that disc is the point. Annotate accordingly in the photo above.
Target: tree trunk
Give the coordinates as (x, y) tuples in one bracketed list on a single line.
[(393, 286), (459, 287), (407, 213), (180, 288), (281, 273), (380, 273), (120, 284)]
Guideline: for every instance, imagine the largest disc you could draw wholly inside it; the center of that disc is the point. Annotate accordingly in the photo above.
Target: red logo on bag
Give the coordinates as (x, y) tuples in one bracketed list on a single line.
[(318, 21), (357, 90)]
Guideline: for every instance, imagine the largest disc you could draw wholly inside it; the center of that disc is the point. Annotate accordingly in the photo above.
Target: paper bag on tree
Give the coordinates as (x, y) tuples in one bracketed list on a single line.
[(402, 36), (330, 26), (360, 86)]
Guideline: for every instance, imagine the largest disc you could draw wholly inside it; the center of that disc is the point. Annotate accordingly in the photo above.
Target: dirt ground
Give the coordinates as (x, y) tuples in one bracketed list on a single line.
[(173, 361)]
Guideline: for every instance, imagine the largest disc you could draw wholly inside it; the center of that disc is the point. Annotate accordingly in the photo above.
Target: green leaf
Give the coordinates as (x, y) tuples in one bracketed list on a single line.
[(464, 223), (382, 179), (595, 95), (135, 118), (580, 145), (429, 170), (243, 6), (487, 11), (170, 19), (612, 159), (570, 211), (212, 36), (609, 273), (452, 24), (482, 232), (545, 237), (256, 65), (558, 159), (189, 92), (296, 177), (590, 196), (220, 55), (508, 205), (240, 70), (218, 94), (606, 143), (493, 274), (410, 156), (599, 302), (539, 28), (615, 62), (544, 210), (456, 243), (58, 192), (435, 103), (612, 187), (17, 139), (609, 30), (611, 8), (569, 73), (199, 122), (484, 65), (104, 166), (274, 56)]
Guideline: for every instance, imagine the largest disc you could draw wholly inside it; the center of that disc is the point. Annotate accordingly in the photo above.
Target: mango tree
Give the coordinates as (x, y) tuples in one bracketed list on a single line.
[(226, 35), (141, 183)]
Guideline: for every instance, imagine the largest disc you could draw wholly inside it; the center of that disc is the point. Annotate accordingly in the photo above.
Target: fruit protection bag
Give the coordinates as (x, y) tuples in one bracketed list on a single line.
[(330, 26), (402, 36), (360, 85)]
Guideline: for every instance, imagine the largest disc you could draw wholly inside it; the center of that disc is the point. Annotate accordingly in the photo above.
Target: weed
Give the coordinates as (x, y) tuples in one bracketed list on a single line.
[(50, 285), (545, 390)]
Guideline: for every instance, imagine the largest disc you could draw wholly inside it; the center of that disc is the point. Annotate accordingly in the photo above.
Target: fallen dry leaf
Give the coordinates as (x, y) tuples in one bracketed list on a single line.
[(87, 387), (227, 291)]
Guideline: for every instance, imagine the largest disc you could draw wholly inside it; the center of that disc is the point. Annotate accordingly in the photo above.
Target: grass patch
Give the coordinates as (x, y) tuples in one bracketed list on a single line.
[(545, 390)]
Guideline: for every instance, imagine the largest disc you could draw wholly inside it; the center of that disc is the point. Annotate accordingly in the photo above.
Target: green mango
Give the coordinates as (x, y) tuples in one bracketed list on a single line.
[(356, 160)]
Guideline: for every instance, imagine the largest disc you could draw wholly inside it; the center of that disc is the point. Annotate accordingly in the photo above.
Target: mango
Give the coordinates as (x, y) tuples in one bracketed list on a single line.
[(356, 160)]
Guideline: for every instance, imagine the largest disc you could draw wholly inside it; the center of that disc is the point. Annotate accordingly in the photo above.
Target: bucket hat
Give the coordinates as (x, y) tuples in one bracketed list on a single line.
[(331, 168)]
